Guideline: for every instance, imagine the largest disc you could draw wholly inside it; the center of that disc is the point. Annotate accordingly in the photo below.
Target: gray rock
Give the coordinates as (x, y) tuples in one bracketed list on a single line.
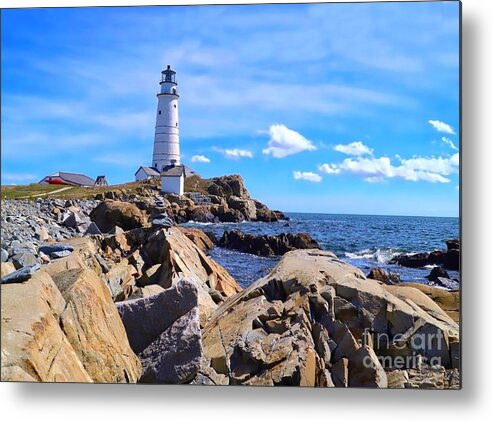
[(174, 358), (52, 248), (20, 275), (165, 222), (5, 255), (102, 263), (73, 220), (24, 259), (60, 254), (92, 229), (164, 330), (40, 233)]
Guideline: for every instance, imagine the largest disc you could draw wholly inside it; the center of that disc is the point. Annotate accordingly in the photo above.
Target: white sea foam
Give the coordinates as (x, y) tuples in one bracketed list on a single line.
[(382, 256), (430, 266), (363, 254)]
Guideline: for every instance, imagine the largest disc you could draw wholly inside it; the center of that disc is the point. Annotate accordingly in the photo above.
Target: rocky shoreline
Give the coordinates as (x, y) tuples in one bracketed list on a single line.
[(114, 291)]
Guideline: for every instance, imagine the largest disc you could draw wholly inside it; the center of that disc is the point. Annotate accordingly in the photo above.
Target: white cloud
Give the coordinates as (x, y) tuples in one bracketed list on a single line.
[(284, 142), (450, 143), (234, 153), (308, 176), (377, 169), (200, 158), (329, 168), (441, 127), (354, 148)]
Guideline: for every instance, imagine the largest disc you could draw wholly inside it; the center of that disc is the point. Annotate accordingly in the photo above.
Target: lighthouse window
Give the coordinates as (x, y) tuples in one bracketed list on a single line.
[(176, 124), (159, 112), (174, 105)]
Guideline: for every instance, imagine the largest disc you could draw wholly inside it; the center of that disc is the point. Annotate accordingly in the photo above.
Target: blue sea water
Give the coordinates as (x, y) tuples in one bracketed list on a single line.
[(365, 241)]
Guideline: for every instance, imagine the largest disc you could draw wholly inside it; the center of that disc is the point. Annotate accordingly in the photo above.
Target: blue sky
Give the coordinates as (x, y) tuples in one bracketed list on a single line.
[(334, 108)]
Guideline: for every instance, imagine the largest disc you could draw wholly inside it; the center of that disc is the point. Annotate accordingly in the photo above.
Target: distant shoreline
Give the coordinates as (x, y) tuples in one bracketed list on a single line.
[(368, 214)]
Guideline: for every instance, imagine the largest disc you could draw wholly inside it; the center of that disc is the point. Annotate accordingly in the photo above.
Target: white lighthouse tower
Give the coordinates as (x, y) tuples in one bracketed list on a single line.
[(167, 135)]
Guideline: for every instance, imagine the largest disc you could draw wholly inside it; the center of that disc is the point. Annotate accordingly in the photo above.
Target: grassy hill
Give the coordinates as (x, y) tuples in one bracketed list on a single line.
[(33, 191)]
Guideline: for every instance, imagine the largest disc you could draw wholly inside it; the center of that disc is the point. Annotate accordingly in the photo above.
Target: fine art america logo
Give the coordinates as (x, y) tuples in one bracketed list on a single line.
[(402, 351)]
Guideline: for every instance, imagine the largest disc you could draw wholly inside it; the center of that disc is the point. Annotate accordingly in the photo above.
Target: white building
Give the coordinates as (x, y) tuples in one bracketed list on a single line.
[(173, 179), (146, 173)]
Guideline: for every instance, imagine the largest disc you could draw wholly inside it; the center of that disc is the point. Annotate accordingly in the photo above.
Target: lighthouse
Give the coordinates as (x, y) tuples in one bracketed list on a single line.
[(166, 162), (167, 134)]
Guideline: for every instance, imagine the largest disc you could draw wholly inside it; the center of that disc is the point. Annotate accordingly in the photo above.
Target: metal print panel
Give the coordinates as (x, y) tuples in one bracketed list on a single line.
[(257, 195)]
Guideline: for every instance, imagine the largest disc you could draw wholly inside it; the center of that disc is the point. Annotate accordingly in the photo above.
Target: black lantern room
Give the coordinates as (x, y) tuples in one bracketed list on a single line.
[(168, 75)]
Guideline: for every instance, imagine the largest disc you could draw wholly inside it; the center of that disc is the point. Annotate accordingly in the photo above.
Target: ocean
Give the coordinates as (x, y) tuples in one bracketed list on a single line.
[(365, 241)]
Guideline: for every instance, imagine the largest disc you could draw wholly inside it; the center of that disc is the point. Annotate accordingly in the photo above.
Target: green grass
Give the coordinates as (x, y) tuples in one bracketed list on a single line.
[(18, 192), (196, 184), (192, 184)]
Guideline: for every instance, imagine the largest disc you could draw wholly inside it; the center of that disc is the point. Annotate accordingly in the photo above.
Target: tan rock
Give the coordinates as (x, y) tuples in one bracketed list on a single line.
[(146, 291), (112, 213), (74, 261), (151, 276), (34, 347), (308, 369), (365, 369), (92, 325), (340, 373), (449, 301), (181, 258), (121, 280), (397, 379), (7, 268), (309, 322), (199, 238)]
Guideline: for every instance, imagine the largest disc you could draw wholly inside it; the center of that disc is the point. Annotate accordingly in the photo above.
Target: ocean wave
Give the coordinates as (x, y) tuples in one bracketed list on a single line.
[(382, 256)]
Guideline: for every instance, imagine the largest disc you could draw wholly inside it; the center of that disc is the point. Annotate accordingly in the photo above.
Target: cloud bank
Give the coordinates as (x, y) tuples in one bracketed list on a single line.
[(377, 169)]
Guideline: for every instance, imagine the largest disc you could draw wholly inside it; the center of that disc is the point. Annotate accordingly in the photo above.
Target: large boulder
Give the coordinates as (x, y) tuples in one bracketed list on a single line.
[(228, 185), (111, 213), (225, 214), (34, 346), (264, 245), (449, 259), (199, 214), (418, 260), (314, 314), (180, 257), (164, 330), (93, 327), (384, 276), (245, 206)]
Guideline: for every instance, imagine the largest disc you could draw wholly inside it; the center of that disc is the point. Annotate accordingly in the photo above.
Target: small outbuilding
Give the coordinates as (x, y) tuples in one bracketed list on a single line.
[(173, 179), (146, 173), (68, 179), (101, 181)]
